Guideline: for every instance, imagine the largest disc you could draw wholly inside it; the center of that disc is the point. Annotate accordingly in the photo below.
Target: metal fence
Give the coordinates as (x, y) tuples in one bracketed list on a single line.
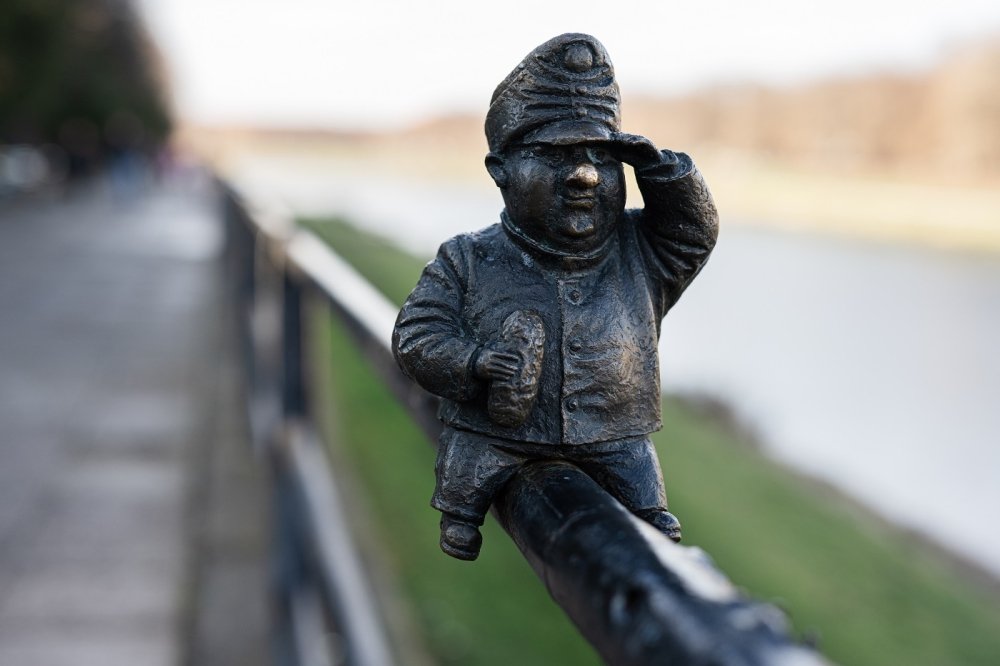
[(634, 595)]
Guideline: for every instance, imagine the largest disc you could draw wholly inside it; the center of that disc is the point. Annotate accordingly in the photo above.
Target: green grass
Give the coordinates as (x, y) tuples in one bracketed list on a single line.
[(872, 595)]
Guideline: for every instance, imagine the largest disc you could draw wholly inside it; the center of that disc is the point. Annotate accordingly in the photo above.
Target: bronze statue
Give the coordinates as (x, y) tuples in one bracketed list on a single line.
[(540, 333)]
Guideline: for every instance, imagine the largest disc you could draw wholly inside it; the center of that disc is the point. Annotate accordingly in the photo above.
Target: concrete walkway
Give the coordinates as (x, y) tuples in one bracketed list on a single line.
[(132, 520)]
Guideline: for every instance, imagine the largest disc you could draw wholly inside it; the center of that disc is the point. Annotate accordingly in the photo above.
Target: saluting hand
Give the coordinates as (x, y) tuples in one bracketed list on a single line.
[(638, 151)]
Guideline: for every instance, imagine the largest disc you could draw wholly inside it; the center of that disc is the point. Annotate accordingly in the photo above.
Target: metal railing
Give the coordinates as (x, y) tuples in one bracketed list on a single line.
[(634, 595)]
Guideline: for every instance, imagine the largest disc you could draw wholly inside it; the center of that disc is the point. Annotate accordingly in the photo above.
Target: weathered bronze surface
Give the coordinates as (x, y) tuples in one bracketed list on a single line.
[(540, 332)]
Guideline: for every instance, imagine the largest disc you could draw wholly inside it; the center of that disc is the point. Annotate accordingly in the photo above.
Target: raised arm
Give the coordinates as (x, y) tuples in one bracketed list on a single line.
[(679, 224)]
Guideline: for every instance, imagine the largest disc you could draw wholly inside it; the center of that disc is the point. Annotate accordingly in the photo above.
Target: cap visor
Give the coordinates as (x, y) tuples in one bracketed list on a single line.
[(567, 132)]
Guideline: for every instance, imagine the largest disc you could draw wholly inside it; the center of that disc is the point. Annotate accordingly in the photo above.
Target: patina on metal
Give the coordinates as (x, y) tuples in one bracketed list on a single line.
[(540, 332)]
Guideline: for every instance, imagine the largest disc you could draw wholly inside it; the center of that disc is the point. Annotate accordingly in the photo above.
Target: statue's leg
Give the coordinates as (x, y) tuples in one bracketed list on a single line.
[(470, 470), (630, 471)]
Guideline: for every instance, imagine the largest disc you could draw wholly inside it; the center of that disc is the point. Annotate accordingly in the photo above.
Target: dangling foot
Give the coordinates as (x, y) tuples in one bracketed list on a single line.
[(459, 538), (662, 520)]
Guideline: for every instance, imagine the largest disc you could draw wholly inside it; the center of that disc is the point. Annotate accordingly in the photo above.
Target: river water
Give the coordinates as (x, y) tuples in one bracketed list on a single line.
[(874, 367)]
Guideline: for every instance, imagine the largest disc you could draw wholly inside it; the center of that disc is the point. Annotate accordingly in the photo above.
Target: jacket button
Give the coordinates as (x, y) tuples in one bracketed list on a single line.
[(571, 405), (575, 346), (575, 296)]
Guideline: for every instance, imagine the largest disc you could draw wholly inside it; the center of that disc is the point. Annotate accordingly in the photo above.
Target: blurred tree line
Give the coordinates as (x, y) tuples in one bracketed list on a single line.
[(80, 75), (944, 121)]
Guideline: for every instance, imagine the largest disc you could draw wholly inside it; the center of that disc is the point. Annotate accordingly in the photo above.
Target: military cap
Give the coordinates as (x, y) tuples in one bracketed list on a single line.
[(562, 92)]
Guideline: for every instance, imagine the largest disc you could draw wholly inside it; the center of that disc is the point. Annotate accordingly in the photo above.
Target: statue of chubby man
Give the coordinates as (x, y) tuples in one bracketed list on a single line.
[(540, 332)]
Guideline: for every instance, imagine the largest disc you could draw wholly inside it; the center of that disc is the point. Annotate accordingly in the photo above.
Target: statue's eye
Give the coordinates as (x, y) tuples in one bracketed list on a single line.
[(600, 156), (548, 154)]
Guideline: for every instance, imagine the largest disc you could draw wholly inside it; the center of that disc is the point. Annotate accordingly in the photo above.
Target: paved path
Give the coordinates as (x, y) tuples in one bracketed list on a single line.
[(131, 519)]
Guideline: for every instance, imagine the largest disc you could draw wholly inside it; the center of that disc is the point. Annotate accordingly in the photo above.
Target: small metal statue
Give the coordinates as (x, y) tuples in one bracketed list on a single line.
[(540, 332)]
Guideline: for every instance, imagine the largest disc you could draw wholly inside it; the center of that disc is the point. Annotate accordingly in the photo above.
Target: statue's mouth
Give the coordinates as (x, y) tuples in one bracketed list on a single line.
[(580, 202)]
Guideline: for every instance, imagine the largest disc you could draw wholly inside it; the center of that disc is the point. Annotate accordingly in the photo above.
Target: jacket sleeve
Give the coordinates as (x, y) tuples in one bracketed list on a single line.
[(678, 226), (430, 341)]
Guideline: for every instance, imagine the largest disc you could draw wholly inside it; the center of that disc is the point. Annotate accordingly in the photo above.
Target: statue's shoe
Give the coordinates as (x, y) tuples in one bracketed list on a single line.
[(664, 521), (460, 539)]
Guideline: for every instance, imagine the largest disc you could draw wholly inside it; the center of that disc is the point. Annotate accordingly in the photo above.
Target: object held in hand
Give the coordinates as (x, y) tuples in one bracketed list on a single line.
[(511, 400)]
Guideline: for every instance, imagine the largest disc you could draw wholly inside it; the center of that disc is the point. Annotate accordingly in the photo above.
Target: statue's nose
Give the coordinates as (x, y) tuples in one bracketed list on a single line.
[(584, 175)]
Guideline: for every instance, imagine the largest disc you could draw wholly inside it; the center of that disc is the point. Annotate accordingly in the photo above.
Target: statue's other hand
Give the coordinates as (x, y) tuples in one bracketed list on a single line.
[(637, 150), (493, 364)]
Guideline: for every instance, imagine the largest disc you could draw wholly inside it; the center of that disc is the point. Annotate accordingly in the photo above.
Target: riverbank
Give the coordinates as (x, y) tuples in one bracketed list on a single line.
[(870, 593), (870, 206)]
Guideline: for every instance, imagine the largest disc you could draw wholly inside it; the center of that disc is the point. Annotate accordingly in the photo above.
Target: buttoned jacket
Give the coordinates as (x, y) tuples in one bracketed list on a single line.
[(601, 312)]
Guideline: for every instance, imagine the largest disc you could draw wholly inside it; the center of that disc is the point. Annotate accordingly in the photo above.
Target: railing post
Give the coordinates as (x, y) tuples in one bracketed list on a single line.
[(239, 254), (293, 392), (287, 566), (304, 634)]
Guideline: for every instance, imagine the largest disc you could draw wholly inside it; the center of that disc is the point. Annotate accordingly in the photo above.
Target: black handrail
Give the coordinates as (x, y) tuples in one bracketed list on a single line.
[(634, 595)]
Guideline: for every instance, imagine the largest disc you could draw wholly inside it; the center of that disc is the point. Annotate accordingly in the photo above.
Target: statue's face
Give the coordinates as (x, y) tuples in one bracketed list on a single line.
[(567, 197)]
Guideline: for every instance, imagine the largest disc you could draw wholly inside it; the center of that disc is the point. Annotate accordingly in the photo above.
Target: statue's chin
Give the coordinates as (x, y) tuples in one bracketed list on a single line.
[(581, 233), (579, 243), (577, 233), (581, 227)]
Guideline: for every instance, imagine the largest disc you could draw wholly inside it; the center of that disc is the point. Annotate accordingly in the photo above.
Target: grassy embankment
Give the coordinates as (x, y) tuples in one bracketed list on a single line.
[(868, 593)]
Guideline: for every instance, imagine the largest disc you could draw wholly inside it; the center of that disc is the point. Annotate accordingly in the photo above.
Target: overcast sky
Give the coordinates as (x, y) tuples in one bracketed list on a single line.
[(379, 63)]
